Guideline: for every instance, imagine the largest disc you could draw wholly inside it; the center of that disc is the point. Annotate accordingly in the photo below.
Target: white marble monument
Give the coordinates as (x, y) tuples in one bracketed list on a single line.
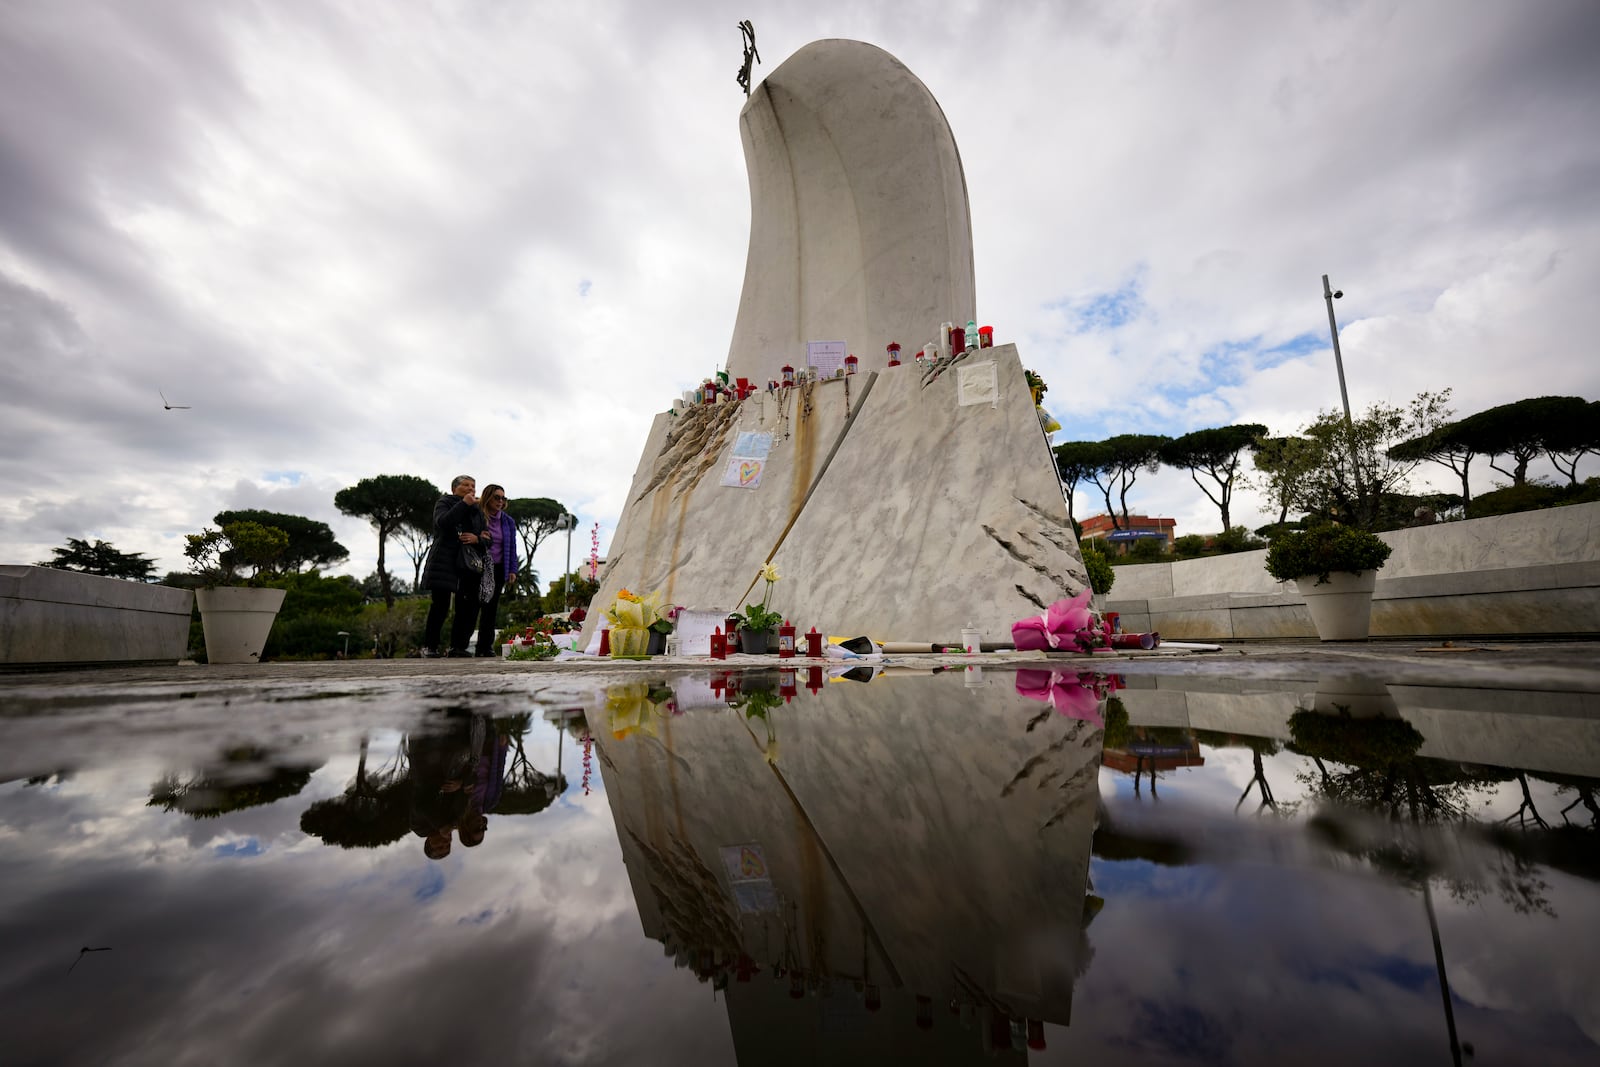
[(900, 503)]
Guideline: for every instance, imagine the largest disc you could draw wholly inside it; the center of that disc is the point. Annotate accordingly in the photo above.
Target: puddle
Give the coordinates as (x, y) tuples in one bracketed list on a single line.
[(796, 867)]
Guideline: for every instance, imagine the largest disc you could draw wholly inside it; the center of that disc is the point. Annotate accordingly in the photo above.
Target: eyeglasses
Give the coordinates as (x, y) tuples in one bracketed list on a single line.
[(500, 497)]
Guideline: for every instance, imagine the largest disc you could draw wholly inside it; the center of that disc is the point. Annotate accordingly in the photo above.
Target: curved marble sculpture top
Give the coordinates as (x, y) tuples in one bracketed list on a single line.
[(859, 225)]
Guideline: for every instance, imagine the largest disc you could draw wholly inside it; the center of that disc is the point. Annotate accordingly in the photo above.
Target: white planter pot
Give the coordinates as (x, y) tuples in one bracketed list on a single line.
[(1341, 607), (237, 622)]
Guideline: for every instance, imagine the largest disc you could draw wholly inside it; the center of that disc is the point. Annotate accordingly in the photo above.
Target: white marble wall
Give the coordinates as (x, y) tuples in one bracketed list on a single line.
[(1536, 572), (1527, 539), (51, 616)]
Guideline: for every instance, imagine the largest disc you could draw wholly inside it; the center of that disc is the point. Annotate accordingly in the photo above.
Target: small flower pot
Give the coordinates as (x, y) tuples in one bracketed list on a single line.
[(754, 642), (657, 645)]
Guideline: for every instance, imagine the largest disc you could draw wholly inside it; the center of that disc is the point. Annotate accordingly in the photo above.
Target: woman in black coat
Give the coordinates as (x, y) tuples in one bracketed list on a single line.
[(457, 522)]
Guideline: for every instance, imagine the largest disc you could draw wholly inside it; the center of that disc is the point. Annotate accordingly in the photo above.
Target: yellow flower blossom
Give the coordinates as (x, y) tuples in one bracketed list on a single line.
[(769, 573), (625, 595)]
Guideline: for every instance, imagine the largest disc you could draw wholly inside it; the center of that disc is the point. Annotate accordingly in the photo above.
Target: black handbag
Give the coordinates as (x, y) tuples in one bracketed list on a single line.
[(473, 558)]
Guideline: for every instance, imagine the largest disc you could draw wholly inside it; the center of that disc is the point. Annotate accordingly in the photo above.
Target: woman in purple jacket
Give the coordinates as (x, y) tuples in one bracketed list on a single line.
[(503, 554)]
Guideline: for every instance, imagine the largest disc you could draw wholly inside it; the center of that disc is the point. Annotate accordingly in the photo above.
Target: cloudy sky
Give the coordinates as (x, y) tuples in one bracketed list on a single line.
[(496, 238)]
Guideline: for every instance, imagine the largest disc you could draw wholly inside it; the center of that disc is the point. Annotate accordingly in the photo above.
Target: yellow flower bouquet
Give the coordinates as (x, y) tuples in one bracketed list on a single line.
[(631, 616), (629, 709)]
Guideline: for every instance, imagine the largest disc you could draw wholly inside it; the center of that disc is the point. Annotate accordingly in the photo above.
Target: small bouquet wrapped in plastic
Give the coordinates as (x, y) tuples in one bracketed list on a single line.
[(637, 707), (631, 617), (1065, 626), (1075, 694), (628, 710)]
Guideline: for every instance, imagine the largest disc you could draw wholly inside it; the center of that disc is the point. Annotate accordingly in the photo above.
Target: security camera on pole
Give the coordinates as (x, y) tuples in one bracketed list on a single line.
[(1330, 295)]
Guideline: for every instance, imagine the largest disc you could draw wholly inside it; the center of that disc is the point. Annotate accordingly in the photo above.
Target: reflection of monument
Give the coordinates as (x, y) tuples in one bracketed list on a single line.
[(899, 874), (898, 502)]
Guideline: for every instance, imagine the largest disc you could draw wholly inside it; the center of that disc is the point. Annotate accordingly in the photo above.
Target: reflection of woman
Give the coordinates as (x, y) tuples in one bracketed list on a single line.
[(502, 556), (487, 780), (458, 527)]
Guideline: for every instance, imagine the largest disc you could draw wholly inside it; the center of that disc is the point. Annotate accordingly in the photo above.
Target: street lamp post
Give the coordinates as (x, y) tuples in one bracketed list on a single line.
[(1330, 296), (346, 635), (566, 576)]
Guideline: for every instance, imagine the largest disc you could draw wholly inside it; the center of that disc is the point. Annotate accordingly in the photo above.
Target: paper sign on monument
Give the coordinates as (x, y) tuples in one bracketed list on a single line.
[(694, 631), (826, 356)]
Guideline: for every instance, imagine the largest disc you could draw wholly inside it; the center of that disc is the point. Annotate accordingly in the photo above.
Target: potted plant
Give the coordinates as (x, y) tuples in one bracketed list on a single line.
[(758, 624), (236, 612), (759, 702), (1101, 574), (660, 629), (1336, 570)]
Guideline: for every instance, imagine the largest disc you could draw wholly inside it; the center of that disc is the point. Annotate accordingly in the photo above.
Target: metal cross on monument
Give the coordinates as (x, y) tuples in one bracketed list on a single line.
[(748, 30)]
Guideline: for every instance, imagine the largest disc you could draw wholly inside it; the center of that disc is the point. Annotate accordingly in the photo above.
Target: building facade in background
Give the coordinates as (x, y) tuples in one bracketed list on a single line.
[(1134, 528)]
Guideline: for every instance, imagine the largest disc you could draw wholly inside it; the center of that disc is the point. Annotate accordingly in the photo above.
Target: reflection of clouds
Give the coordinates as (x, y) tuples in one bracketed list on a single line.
[(1539, 970), (1259, 960), (1275, 938), (308, 953)]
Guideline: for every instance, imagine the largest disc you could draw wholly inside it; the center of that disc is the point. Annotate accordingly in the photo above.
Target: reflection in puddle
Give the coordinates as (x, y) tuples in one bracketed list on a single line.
[(857, 865), (442, 783), (894, 862)]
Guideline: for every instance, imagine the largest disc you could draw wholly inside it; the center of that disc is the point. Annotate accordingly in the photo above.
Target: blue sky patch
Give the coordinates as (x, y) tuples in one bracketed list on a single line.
[(584, 286), (462, 442), (1294, 348), (1113, 878), (1105, 310), (431, 885), (283, 477), (1221, 365), (250, 846), (1407, 974)]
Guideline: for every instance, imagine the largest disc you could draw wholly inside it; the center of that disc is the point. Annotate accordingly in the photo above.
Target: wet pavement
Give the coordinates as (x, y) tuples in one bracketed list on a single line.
[(1387, 852)]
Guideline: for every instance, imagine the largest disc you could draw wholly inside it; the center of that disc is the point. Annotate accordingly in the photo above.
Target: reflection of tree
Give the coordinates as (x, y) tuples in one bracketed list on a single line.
[(528, 790), (1387, 774), (372, 811), (1585, 790), (1259, 747), (1382, 772), (245, 778), (1142, 750), (1381, 768), (1527, 807), (1117, 729)]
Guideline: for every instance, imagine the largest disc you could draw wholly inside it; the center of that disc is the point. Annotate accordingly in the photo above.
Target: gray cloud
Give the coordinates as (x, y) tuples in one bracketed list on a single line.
[(350, 235)]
